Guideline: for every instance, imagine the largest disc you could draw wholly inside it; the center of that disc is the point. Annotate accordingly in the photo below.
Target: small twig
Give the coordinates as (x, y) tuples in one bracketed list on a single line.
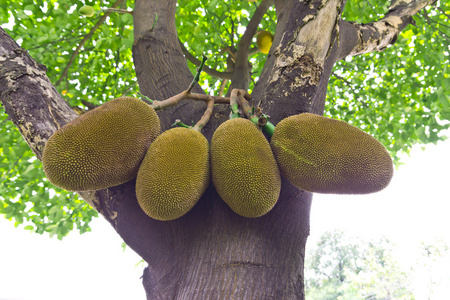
[(429, 20), (180, 124), (209, 71), (145, 98), (57, 41), (118, 10), (349, 84), (197, 75), (222, 87), (89, 105), (154, 23)]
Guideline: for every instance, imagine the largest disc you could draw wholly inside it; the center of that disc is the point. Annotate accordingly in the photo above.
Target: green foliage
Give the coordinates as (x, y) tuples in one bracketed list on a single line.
[(28, 198), (401, 95), (51, 31), (343, 267), (215, 27)]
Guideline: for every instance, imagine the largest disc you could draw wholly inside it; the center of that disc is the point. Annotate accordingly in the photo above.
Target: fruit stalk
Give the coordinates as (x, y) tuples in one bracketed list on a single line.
[(206, 115), (234, 106), (262, 121)]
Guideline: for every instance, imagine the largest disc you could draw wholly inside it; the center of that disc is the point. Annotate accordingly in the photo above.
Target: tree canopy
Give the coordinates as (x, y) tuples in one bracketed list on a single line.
[(345, 267), (401, 96)]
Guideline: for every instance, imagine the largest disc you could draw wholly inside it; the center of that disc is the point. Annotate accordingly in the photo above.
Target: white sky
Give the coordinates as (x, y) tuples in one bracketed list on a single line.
[(414, 208)]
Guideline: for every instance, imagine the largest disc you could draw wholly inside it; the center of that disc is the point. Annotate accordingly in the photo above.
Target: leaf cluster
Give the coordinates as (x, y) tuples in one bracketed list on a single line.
[(215, 28)]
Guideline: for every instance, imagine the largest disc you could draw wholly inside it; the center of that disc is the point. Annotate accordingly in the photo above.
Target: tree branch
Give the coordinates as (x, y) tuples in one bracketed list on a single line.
[(241, 76), (207, 70), (23, 80), (376, 36), (84, 40)]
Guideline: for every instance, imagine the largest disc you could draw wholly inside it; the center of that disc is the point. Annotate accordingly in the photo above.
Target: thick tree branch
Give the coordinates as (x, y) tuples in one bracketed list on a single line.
[(161, 67), (241, 76), (22, 79), (84, 40), (207, 70), (301, 58), (376, 36)]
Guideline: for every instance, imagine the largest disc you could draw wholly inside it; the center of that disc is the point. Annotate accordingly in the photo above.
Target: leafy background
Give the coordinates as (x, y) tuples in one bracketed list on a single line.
[(400, 95)]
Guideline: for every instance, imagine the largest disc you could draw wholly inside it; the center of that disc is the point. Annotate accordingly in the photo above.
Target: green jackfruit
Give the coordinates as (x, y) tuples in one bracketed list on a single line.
[(87, 11), (101, 148), (243, 168), (174, 174), (323, 155)]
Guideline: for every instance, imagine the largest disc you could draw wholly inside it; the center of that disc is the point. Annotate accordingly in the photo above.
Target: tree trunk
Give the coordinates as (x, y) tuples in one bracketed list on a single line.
[(211, 252)]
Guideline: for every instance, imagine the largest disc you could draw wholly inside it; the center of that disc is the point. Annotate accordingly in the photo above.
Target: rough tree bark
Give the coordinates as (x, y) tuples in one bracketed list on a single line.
[(212, 253)]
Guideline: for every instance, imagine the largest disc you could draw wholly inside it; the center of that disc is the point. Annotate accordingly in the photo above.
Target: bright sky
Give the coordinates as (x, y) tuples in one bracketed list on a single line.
[(414, 208)]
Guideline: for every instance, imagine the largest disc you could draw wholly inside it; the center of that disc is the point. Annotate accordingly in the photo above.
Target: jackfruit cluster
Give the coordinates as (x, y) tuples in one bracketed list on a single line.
[(323, 155), (174, 174), (121, 140), (101, 148), (243, 168)]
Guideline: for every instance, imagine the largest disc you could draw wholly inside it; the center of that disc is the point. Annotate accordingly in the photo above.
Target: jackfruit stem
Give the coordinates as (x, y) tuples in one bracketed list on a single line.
[(206, 116), (145, 97), (263, 122), (174, 100), (180, 124), (204, 97), (197, 75), (246, 108), (240, 98)]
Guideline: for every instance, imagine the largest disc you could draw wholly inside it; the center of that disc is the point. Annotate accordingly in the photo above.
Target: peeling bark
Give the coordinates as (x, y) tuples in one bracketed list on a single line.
[(376, 36), (305, 36), (28, 96)]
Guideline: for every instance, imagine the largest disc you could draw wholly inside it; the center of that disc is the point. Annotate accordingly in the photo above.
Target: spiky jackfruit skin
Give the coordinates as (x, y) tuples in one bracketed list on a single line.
[(174, 174), (323, 155), (101, 148), (243, 168)]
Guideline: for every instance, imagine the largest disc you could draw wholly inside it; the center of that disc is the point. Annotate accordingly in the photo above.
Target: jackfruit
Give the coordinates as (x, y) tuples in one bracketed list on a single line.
[(243, 168), (264, 41), (101, 148), (87, 11), (174, 174), (323, 155)]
